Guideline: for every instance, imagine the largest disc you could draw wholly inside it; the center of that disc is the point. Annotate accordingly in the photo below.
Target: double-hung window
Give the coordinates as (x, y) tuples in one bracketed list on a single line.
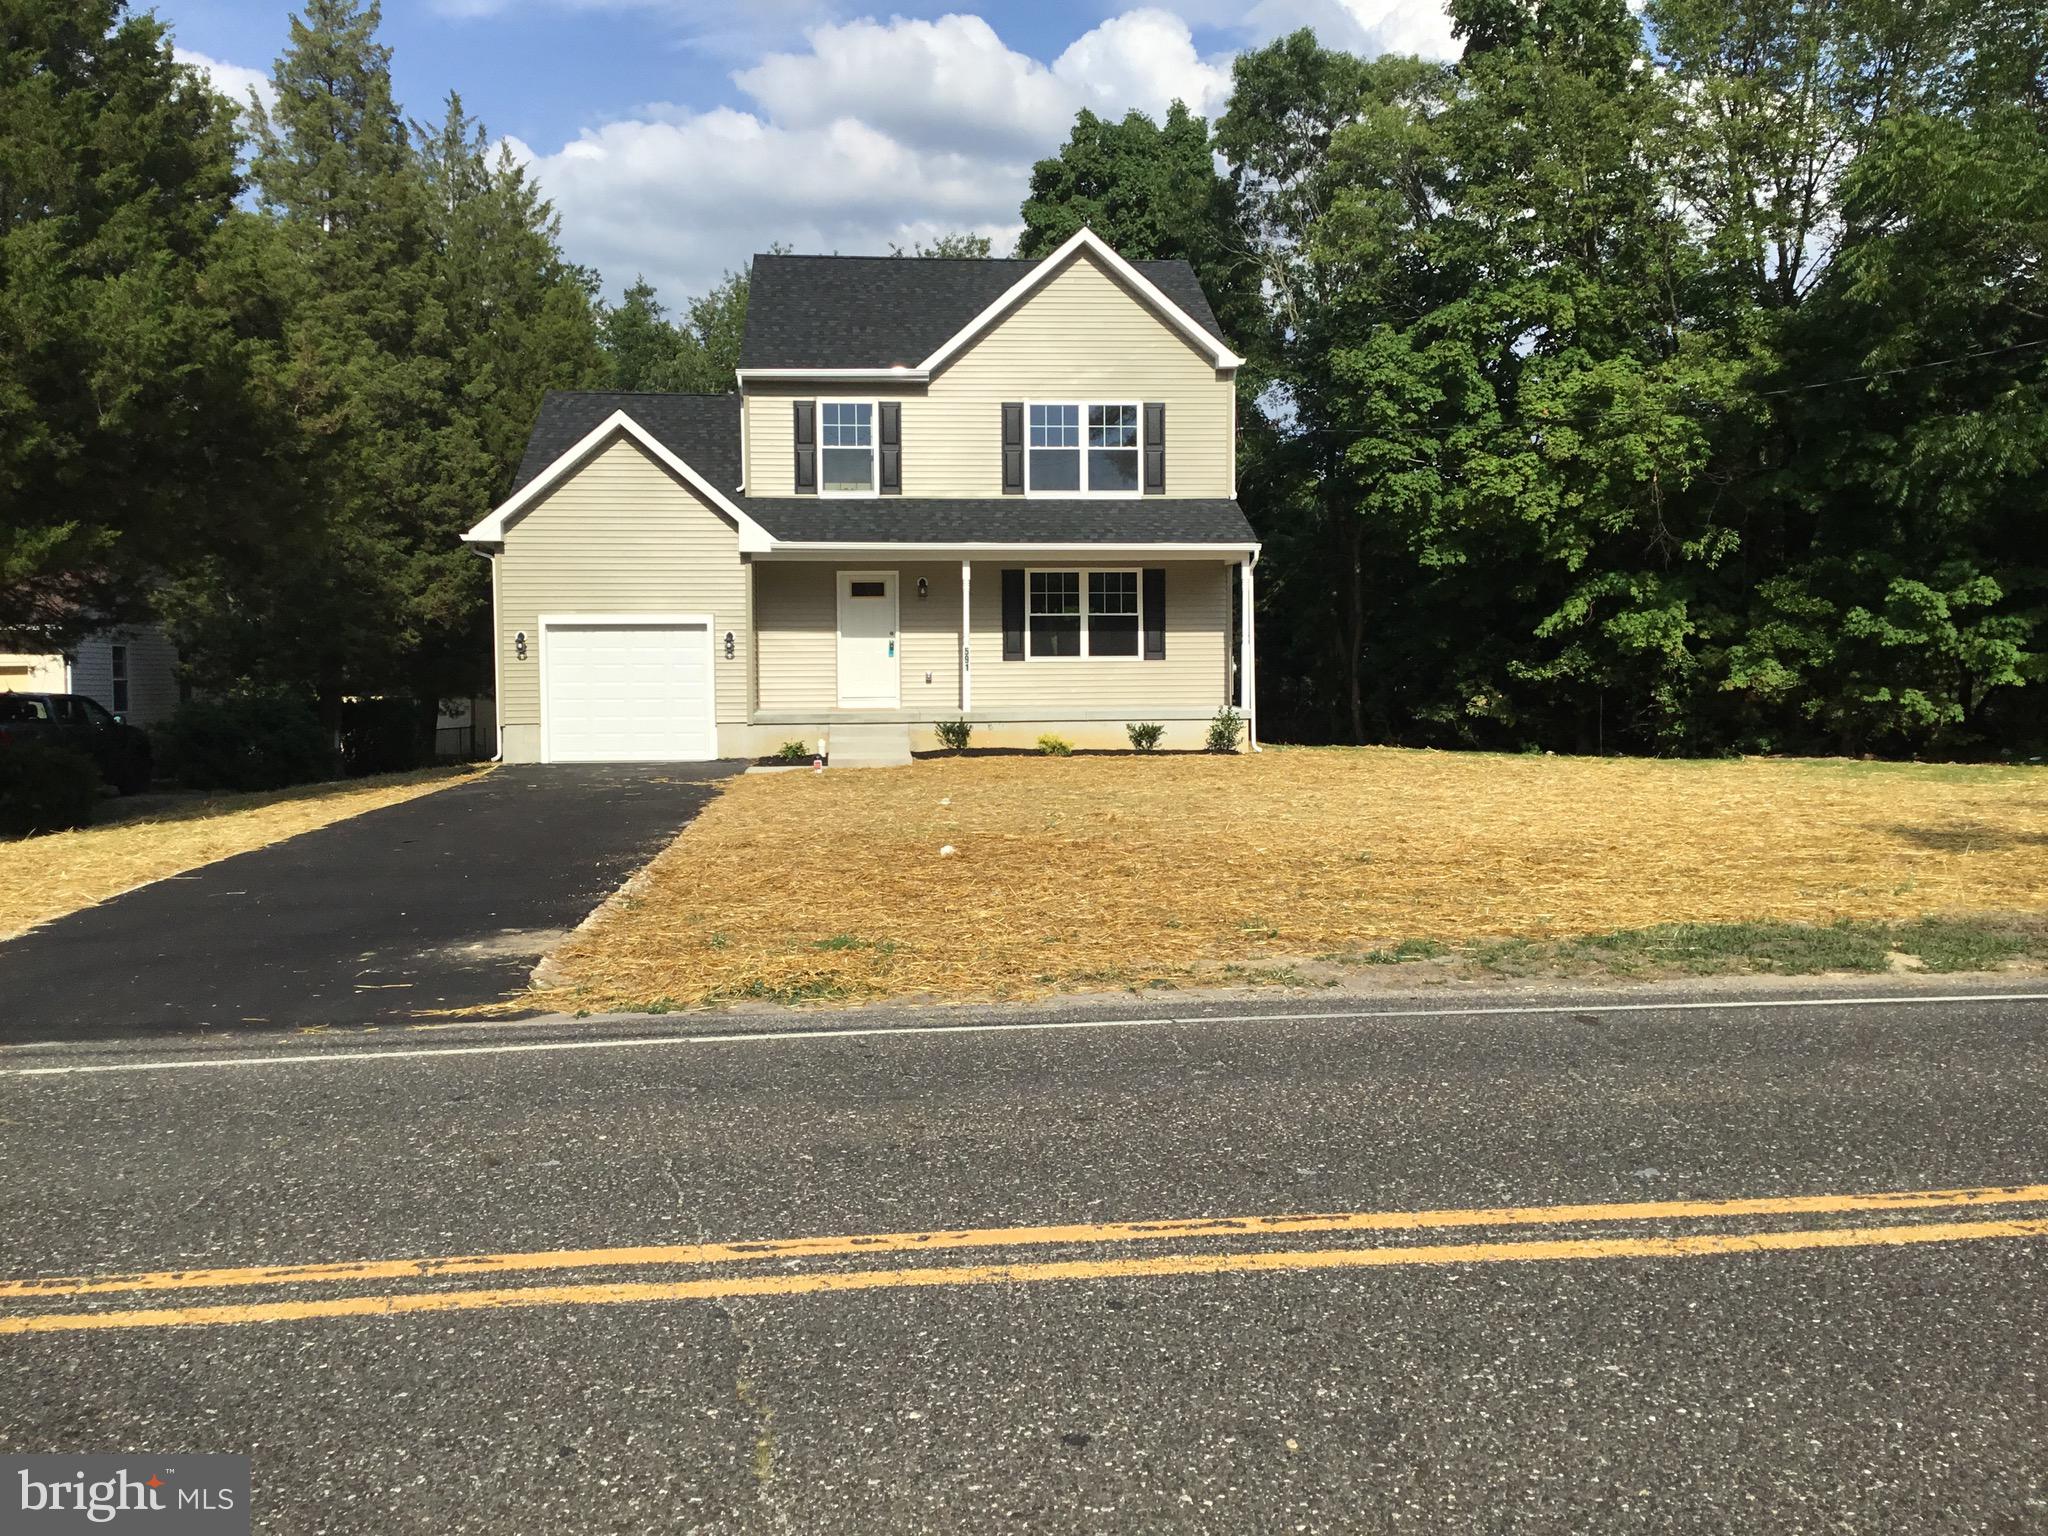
[(1082, 449), (1082, 613), (846, 447)]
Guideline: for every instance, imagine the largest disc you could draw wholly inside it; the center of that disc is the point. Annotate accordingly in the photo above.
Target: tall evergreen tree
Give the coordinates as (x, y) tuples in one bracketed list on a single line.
[(132, 427)]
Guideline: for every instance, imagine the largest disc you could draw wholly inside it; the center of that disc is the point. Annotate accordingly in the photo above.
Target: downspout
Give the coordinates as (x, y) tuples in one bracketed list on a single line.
[(497, 669), (1248, 665)]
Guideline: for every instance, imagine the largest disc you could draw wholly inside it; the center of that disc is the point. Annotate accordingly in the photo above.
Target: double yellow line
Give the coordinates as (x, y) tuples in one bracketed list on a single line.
[(1894, 1234)]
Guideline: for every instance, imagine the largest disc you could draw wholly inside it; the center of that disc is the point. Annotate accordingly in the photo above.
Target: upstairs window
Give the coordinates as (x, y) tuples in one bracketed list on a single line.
[(1113, 448), (1055, 457), (846, 447), (1082, 450)]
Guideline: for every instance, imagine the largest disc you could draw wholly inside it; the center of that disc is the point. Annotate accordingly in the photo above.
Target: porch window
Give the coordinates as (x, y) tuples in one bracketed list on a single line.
[(1055, 613), (846, 447), (1086, 449), (1083, 613), (1112, 613)]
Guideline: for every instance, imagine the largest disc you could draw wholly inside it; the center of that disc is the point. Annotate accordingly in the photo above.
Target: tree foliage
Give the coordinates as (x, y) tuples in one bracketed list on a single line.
[(127, 316), (423, 308), (1683, 403)]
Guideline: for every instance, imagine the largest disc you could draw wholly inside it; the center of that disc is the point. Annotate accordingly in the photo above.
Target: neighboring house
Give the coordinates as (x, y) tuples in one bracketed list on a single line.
[(998, 490), (132, 671)]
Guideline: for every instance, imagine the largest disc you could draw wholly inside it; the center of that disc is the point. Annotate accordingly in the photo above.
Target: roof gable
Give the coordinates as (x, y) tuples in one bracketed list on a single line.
[(808, 313), (696, 437)]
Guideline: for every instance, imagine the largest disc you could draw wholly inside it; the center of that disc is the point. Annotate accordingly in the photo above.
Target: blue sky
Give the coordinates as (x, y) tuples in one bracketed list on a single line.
[(678, 136)]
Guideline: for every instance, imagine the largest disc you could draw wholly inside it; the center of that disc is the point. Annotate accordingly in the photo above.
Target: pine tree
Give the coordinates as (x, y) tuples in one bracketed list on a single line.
[(131, 427)]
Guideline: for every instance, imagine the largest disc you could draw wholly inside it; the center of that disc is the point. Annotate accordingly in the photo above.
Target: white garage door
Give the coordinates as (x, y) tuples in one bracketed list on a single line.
[(627, 690)]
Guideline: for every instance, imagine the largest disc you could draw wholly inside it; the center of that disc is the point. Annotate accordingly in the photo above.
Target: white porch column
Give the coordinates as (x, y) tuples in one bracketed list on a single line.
[(1247, 665), (966, 630)]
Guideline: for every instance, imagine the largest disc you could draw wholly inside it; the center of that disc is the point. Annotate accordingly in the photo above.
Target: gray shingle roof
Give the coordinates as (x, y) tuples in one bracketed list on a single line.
[(704, 432), (882, 311), (1004, 520)]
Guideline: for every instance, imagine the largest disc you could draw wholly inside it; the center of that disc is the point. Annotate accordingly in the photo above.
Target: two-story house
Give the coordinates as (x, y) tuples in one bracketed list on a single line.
[(997, 490)]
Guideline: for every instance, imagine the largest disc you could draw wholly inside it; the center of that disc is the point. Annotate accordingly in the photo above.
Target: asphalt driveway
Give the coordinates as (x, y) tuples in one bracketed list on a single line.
[(441, 902)]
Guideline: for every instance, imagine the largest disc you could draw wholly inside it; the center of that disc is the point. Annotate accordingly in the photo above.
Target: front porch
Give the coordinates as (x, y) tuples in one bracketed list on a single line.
[(868, 637)]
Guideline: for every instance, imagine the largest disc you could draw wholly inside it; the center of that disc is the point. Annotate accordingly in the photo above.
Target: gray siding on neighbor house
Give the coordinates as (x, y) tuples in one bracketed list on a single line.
[(152, 672)]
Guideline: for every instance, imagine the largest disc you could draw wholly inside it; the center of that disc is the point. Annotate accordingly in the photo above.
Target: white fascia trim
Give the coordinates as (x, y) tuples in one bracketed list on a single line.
[(1086, 239), (898, 375), (754, 539), (822, 549)]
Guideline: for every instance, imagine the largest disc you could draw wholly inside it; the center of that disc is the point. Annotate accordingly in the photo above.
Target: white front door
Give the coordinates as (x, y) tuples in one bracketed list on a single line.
[(868, 673), (620, 689)]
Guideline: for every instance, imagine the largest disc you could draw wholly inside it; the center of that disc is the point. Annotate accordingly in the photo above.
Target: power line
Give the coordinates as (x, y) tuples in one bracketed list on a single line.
[(1886, 373)]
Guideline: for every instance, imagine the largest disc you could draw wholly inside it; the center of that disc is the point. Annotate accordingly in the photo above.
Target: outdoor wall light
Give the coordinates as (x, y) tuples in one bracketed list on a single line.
[(728, 645), (519, 645), (924, 589)]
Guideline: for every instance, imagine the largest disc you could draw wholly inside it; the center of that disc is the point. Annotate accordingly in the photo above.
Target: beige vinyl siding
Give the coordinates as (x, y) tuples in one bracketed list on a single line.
[(796, 605), (1084, 337), (1191, 680), (619, 535)]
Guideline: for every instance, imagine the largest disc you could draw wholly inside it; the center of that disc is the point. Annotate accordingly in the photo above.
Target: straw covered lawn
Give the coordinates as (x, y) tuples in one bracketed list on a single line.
[(136, 841), (1120, 871)]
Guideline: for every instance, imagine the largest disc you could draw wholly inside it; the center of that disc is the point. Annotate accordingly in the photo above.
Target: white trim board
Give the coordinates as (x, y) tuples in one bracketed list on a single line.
[(832, 550)]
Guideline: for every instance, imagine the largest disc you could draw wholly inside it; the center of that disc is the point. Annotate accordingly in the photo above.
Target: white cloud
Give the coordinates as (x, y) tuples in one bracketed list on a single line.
[(887, 132), (1362, 26), (232, 80)]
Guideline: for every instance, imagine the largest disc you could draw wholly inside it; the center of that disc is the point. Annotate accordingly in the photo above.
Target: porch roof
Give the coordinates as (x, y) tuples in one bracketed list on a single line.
[(1011, 520)]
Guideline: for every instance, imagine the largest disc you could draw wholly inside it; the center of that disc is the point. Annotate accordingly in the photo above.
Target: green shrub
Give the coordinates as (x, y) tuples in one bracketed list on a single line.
[(45, 787), (1226, 730), (792, 752), (953, 734), (386, 735), (1145, 735), (1054, 746), (259, 738)]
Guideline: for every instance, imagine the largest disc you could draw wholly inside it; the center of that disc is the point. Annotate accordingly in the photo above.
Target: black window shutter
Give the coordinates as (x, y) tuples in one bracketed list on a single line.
[(1155, 448), (806, 447), (1013, 614), (1013, 448), (892, 448), (1155, 613)]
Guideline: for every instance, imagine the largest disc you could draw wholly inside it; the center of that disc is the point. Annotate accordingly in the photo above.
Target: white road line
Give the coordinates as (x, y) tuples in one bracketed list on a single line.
[(1023, 1026)]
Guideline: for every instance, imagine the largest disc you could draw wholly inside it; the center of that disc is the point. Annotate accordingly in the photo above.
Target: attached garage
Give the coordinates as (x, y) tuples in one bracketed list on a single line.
[(627, 688)]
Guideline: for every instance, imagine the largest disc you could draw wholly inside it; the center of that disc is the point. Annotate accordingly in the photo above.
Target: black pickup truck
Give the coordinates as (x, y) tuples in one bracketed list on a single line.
[(73, 720)]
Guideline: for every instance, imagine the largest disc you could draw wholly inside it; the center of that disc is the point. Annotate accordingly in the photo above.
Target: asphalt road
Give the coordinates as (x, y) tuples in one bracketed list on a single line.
[(445, 901), (1805, 1363)]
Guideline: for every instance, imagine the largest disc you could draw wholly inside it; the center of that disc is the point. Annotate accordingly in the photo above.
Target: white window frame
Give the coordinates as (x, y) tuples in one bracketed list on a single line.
[(1083, 572), (874, 448), (1085, 492)]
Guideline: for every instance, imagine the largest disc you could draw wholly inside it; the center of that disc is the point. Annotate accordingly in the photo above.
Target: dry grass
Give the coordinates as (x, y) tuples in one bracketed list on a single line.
[(1122, 872), (137, 841)]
